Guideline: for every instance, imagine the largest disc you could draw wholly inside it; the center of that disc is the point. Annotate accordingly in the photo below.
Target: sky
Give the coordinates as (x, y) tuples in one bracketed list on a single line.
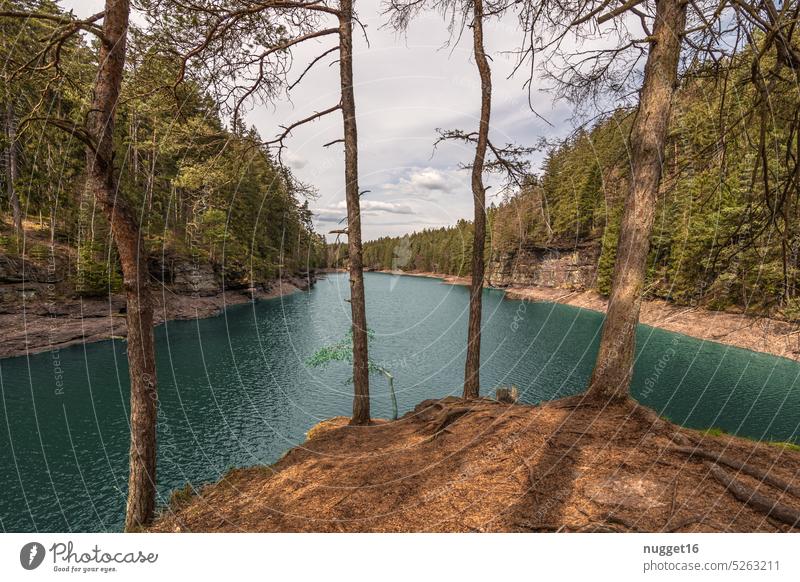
[(406, 86)]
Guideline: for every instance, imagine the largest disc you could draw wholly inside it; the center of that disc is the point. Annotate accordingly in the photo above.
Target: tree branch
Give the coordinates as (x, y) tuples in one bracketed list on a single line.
[(86, 24), (619, 10), (311, 65), (287, 130)]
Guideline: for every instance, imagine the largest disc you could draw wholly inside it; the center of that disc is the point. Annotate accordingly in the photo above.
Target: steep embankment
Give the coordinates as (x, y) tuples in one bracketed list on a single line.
[(454, 465), (43, 324), (569, 275), (41, 309)]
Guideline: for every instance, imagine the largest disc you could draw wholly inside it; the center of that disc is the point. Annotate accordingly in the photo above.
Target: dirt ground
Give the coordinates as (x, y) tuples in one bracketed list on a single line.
[(474, 466)]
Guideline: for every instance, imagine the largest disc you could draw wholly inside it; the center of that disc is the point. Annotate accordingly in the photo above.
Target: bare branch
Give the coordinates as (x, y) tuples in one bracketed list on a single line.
[(287, 130), (630, 4), (311, 65), (511, 161)]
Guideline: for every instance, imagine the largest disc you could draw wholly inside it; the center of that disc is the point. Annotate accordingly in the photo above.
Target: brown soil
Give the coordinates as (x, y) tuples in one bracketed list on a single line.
[(42, 325), (759, 334), (459, 466)]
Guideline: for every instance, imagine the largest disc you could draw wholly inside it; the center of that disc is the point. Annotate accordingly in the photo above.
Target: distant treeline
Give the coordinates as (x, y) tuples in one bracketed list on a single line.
[(727, 230)]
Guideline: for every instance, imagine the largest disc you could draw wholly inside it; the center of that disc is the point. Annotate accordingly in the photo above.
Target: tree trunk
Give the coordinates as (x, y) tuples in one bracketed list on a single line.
[(614, 366), (473, 363), (357, 304), (128, 240), (13, 169)]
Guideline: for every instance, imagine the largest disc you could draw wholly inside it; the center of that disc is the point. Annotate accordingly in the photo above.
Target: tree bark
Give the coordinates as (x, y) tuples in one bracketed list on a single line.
[(613, 370), (103, 184), (13, 169), (473, 363), (361, 414)]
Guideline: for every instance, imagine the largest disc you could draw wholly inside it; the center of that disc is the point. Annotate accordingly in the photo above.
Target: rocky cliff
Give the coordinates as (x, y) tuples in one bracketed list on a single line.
[(42, 309), (51, 276), (570, 267)]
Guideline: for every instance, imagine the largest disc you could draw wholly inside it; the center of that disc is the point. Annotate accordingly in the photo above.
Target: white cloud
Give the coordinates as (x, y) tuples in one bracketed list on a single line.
[(375, 206), (328, 215), (295, 161), (430, 179), (426, 182), (368, 207)]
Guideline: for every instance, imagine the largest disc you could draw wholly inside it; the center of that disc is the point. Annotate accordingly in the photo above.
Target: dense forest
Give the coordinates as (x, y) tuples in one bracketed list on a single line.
[(726, 230), (205, 191)]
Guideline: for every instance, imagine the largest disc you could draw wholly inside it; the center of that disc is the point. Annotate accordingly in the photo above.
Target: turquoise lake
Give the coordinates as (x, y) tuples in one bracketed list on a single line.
[(235, 389)]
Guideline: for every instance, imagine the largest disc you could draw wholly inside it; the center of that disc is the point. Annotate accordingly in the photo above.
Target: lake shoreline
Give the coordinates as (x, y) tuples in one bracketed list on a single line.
[(43, 326), (757, 334)]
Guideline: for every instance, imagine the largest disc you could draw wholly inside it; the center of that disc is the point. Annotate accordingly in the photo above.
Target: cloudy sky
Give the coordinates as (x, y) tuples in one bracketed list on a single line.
[(406, 86)]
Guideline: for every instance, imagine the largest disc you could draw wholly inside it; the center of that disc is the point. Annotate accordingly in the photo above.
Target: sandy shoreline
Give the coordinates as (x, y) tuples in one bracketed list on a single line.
[(43, 326), (759, 334)]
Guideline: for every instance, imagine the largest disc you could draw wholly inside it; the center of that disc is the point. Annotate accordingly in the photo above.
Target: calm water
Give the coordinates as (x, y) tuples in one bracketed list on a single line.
[(235, 390)]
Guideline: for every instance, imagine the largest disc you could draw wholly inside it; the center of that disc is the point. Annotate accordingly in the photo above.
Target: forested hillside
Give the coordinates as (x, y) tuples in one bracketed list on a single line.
[(726, 232), (203, 191)]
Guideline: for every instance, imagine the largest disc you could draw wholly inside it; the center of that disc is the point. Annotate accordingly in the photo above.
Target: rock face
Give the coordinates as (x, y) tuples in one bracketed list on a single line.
[(185, 276), (40, 309), (28, 280), (574, 267)]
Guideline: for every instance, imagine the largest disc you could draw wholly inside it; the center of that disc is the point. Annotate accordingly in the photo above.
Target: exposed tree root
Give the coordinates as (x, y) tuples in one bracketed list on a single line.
[(436, 435), (683, 523), (755, 472), (448, 417), (672, 504), (600, 528), (620, 520), (538, 527), (754, 499)]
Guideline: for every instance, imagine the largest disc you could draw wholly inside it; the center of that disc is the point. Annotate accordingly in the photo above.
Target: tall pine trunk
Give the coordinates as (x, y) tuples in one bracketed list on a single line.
[(473, 363), (361, 413), (12, 169), (614, 366), (103, 183)]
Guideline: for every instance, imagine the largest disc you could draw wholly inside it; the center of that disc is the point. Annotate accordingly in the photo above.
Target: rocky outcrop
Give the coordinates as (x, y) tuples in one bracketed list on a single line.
[(198, 277), (24, 279), (41, 310), (42, 323), (573, 267)]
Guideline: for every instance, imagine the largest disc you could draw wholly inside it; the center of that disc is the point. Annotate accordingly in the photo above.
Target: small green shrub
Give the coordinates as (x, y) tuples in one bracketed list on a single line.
[(715, 431), (786, 446), (40, 252), (792, 309), (94, 277), (8, 244)]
